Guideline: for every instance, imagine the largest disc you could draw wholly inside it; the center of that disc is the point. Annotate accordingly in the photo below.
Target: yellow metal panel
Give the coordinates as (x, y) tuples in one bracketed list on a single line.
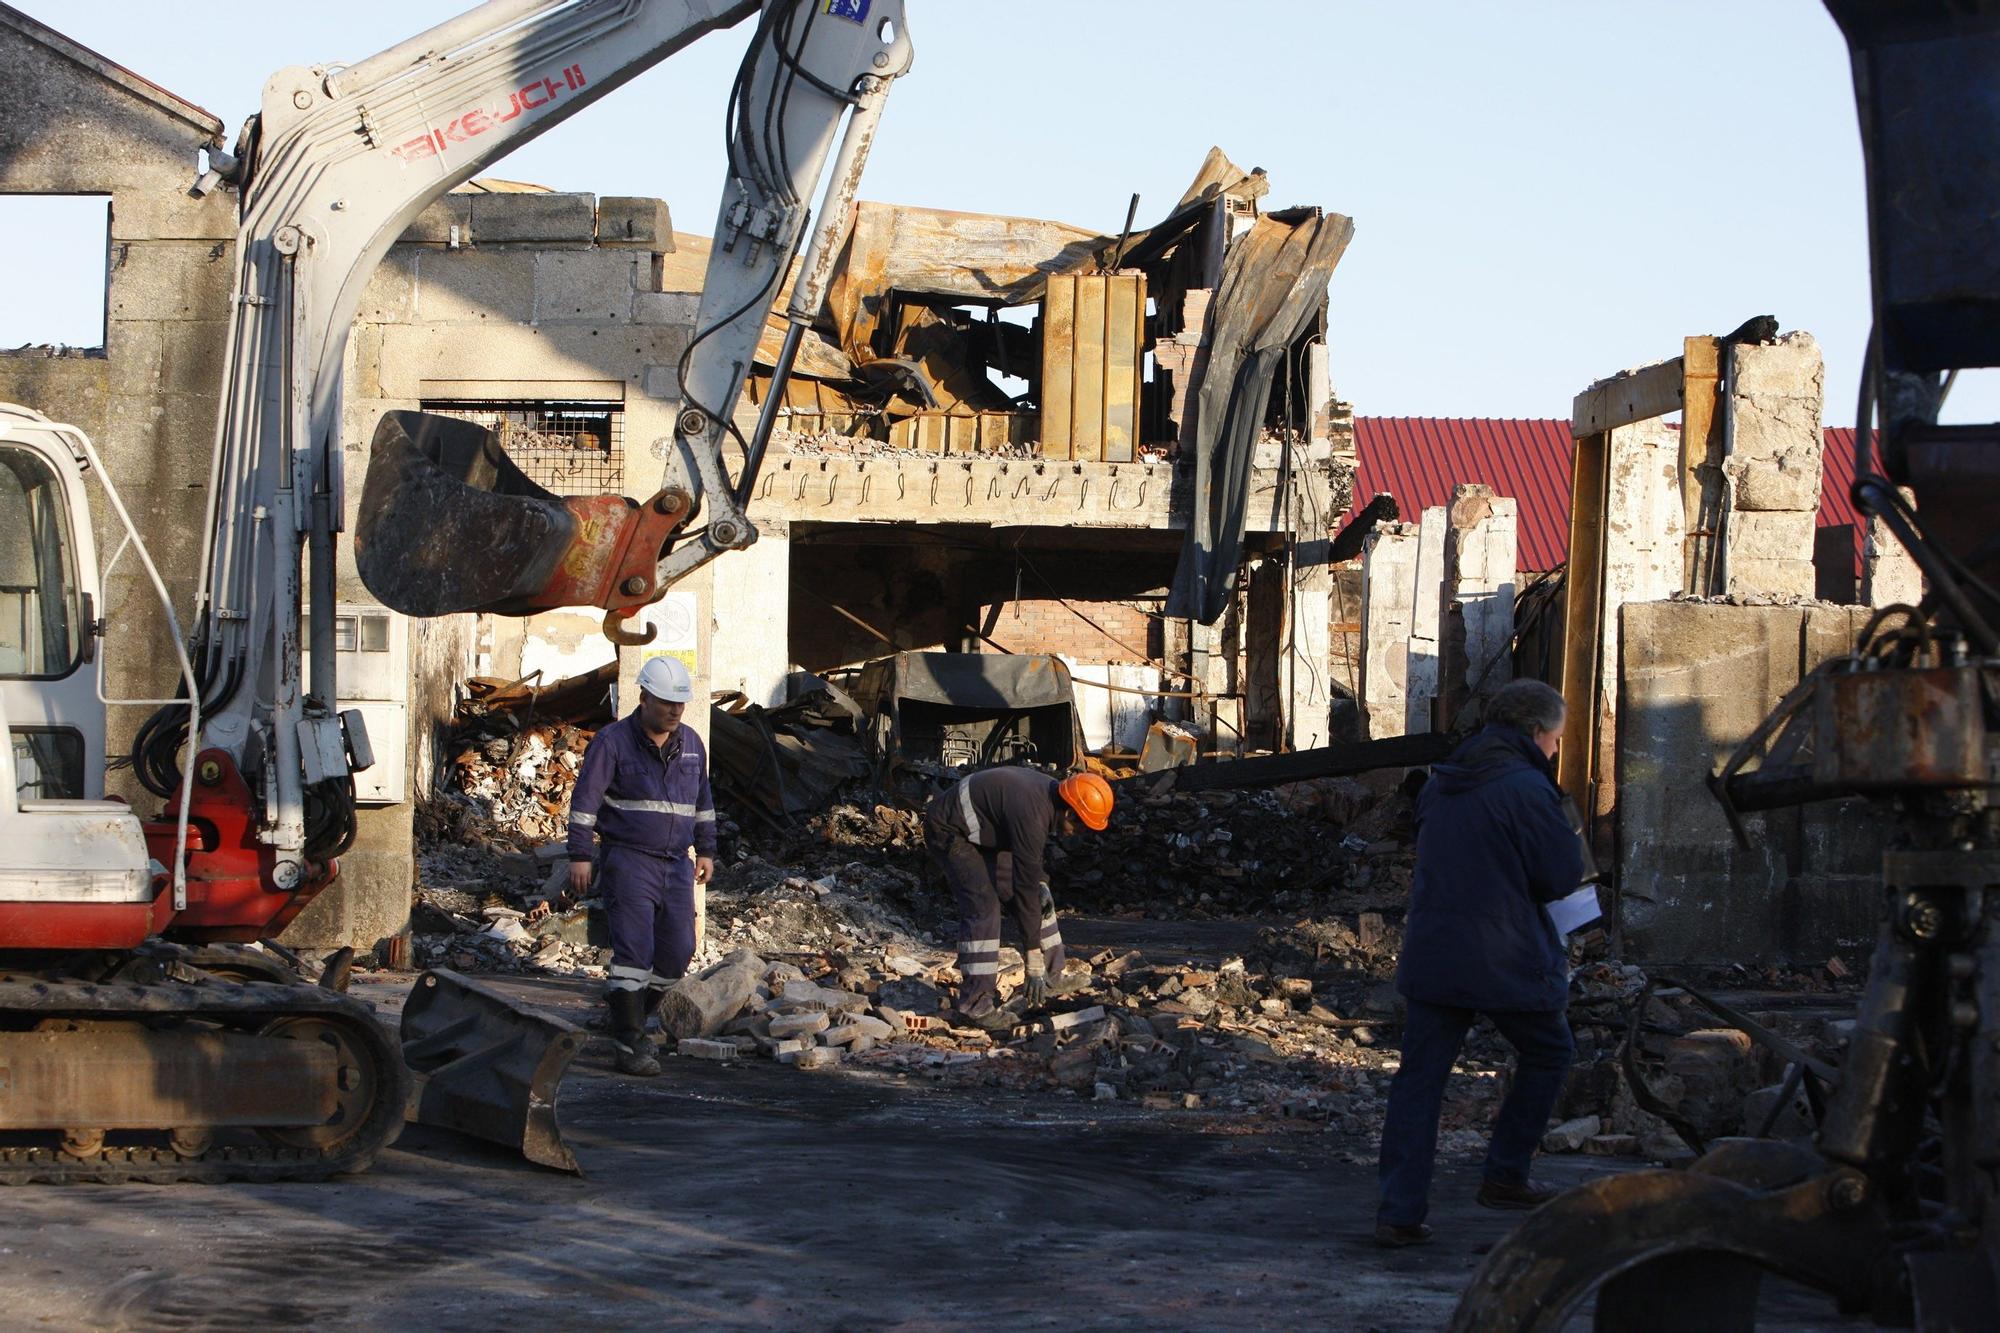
[(1123, 305), (1058, 369), (1086, 429)]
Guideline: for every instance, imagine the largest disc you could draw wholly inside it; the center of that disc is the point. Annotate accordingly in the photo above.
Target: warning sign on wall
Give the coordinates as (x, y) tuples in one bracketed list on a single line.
[(674, 621)]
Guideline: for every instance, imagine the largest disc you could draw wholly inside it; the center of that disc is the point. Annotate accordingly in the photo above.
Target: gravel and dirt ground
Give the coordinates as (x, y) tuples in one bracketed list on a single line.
[(752, 1195)]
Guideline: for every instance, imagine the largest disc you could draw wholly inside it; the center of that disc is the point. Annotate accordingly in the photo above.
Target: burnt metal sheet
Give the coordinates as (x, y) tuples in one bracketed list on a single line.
[(982, 680), (1273, 284), (786, 760), (932, 251)]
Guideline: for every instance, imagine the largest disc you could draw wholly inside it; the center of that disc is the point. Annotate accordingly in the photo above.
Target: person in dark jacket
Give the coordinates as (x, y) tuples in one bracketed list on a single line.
[(988, 834), (1494, 844), (642, 797)]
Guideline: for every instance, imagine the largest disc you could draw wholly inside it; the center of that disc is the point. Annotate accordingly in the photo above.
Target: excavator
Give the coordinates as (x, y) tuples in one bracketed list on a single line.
[(1894, 1209), (149, 1028)]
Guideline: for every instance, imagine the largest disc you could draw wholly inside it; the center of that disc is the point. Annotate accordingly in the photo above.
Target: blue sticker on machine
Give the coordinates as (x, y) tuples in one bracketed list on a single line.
[(854, 10)]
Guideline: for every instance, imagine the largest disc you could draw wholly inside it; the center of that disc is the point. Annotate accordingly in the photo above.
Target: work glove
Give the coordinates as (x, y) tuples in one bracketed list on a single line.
[(1048, 903), (1037, 990)]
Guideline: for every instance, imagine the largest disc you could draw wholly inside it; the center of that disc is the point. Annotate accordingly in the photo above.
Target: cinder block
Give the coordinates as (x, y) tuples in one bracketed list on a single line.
[(635, 220), (798, 1025), (584, 287), (1770, 535), (675, 308), (813, 1057), (169, 280), (1767, 427), (702, 1049), (1788, 368), (1786, 481), (499, 219), (391, 294), (433, 225), (475, 286), (1772, 578)]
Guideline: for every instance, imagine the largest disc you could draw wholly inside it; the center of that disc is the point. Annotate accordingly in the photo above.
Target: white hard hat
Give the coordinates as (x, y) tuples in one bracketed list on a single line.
[(666, 678)]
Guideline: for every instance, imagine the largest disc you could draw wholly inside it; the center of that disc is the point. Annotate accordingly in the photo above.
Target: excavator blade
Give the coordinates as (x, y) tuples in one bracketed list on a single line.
[(481, 1064), (448, 523)]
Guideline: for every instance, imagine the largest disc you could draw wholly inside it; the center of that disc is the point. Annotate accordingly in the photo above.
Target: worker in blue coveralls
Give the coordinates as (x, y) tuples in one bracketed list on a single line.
[(642, 796)]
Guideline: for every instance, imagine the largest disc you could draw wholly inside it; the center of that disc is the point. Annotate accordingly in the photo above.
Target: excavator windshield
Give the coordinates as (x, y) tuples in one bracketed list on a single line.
[(40, 629)]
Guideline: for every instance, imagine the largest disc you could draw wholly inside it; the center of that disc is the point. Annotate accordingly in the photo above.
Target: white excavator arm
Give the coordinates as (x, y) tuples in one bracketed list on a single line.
[(334, 168)]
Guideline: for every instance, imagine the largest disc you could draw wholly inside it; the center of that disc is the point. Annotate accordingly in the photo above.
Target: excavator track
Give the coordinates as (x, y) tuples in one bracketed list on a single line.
[(210, 1033)]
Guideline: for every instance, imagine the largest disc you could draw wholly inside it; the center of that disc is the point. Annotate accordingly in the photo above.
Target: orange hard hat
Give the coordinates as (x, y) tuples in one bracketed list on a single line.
[(1088, 795)]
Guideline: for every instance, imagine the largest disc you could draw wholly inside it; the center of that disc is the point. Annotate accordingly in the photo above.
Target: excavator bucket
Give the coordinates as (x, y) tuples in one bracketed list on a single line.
[(448, 523), (483, 1065)]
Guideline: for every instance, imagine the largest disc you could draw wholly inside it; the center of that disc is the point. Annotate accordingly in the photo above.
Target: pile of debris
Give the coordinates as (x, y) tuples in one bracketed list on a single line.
[(1233, 853), (1664, 1069)]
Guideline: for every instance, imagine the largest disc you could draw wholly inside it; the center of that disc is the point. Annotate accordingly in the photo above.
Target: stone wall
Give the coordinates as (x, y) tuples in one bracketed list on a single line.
[(1773, 467)]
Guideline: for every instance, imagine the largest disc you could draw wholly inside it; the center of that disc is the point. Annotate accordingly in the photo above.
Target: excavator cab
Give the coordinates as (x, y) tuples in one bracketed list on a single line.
[(77, 872)]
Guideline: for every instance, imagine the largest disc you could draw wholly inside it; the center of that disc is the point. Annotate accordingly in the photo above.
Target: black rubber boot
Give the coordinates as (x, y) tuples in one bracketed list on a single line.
[(634, 1051), (655, 997)]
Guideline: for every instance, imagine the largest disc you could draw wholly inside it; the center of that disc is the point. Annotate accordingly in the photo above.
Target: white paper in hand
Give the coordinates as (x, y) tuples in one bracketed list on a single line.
[(1573, 913)]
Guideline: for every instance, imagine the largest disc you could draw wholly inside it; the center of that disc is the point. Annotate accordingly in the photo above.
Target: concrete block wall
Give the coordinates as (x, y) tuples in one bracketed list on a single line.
[(1889, 574), (1476, 606), (1388, 613), (1420, 685), (508, 296), (1773, 468), (148, 397), (1698, 678)]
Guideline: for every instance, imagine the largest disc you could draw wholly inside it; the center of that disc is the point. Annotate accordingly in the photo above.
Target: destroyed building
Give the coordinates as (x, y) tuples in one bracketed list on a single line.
[(1007, 435), (1678, 591)]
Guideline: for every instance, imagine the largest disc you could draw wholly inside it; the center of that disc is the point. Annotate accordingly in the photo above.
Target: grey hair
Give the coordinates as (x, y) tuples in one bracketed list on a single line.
[(1527, 705)]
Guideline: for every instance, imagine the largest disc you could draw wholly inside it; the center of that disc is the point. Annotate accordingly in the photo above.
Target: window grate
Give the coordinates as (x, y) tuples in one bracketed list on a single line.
[(569, 448)]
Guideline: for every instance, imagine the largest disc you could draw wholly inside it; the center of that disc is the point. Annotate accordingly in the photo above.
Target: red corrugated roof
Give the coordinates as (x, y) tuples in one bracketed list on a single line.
[(1419, 459)]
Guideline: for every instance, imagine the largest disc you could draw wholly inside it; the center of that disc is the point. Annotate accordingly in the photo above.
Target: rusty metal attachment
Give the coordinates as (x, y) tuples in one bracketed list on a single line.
[(448, 523), (483, 1065), (1694, 1243)]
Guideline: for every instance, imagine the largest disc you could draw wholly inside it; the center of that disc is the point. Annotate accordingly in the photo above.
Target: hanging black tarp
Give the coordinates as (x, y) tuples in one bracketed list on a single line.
[(1273, 281)]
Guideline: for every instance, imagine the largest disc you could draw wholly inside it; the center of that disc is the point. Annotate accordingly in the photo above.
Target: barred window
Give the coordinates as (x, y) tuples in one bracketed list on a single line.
[(569, 448)]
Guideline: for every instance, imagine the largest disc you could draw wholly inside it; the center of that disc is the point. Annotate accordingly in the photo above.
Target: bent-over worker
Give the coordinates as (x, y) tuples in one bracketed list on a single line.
[(643, 796), (1494, 846), (988, 834)]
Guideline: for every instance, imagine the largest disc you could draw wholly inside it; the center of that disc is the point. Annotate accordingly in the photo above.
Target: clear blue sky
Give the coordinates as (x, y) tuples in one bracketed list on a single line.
[(1543, 193)]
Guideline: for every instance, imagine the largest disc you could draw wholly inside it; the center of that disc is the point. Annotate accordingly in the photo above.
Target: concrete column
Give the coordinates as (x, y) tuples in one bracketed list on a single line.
[(1476, 601), (1388, 594), (1772, 466), (1888, 573), (752, 616), (1421, 678)]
